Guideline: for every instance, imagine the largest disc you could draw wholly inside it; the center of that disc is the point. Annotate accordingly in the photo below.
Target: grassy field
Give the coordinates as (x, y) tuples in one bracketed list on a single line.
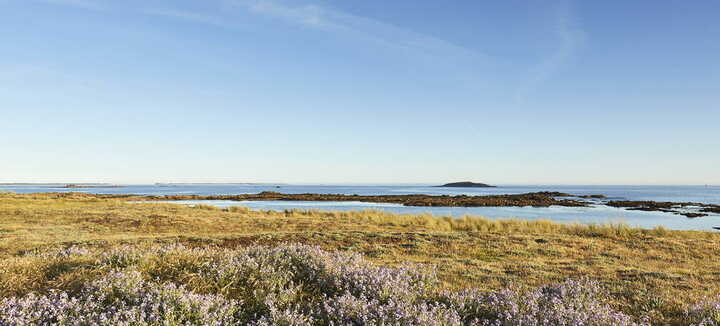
[(655, 273)]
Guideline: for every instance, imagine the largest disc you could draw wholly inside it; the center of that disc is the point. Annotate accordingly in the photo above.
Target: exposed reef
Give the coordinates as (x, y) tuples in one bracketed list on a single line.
[(711, 209), (537, 199), (668, 207), (467, 184), (592, 196)]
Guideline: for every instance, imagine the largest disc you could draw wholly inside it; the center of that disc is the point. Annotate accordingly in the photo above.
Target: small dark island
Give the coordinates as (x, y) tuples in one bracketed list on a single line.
[(467, 184)]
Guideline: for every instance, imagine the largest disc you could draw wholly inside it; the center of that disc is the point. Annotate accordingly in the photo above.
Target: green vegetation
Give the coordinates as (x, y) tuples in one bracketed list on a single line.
[(656, 273)]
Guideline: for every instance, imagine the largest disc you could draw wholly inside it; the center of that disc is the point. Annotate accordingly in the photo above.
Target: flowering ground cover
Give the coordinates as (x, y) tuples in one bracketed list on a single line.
[(287, 285)]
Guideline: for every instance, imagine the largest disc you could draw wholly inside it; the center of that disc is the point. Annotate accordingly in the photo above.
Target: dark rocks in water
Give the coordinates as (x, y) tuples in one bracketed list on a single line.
[(668, 207), (711, 209), (716, 227), (693, 215), (467, 184), (537, 199), (593, 196), (643, 204), (551, 194), (270, 193)]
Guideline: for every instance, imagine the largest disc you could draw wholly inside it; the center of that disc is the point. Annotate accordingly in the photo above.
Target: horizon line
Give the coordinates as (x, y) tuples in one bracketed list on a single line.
[(339, 184)]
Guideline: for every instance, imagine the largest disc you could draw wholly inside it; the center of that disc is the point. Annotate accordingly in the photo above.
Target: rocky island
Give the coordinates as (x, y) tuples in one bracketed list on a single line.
[(467, 184)]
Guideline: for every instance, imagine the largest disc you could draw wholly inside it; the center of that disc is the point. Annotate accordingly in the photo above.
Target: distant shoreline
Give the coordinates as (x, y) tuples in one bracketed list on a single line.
[(81, 186), (219, 183), (348, 184)]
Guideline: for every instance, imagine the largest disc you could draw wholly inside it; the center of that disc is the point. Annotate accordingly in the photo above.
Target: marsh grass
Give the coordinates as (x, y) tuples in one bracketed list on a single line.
[(205, 207), (658, 272)]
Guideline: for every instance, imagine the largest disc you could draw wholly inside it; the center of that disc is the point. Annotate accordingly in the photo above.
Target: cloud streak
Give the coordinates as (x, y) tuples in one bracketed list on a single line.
[(309, 15), (570, 38), (193, 17), (86, 4), (358, 28), (331, 20)]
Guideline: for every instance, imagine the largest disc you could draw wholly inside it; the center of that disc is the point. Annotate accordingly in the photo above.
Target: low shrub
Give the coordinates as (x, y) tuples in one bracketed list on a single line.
[(120, 299), (297, 285), (574, 302)]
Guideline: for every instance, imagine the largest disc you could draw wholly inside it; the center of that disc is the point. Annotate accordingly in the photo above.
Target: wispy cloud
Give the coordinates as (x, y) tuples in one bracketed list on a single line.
[(362, 28), (194, 17), (356, 28), (570, 38), (86, 4), (308, 14)]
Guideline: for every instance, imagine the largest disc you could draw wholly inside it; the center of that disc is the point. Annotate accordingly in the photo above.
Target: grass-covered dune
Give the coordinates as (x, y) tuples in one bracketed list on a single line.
[(165, 264)]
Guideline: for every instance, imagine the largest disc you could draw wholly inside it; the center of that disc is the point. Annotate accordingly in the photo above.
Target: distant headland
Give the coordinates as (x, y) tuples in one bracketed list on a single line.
[(90, 185), (467, 184)]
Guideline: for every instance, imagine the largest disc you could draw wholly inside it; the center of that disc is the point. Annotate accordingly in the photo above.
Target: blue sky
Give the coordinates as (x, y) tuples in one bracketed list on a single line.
[(320, 91)]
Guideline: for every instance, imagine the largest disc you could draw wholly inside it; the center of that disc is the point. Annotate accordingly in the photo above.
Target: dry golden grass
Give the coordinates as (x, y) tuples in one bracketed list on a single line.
[(656, 271)]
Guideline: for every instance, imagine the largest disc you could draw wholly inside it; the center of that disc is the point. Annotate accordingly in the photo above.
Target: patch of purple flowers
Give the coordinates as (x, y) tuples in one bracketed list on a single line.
[(705, 313), (120, 299), (351, 310), (570, 303), (296, 285)]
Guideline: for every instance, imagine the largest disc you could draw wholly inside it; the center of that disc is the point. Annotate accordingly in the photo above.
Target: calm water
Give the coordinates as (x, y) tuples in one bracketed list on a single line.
[(597, 213)]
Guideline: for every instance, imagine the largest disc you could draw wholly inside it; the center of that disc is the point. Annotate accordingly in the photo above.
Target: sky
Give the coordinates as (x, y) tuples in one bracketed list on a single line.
[(372, 91)]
